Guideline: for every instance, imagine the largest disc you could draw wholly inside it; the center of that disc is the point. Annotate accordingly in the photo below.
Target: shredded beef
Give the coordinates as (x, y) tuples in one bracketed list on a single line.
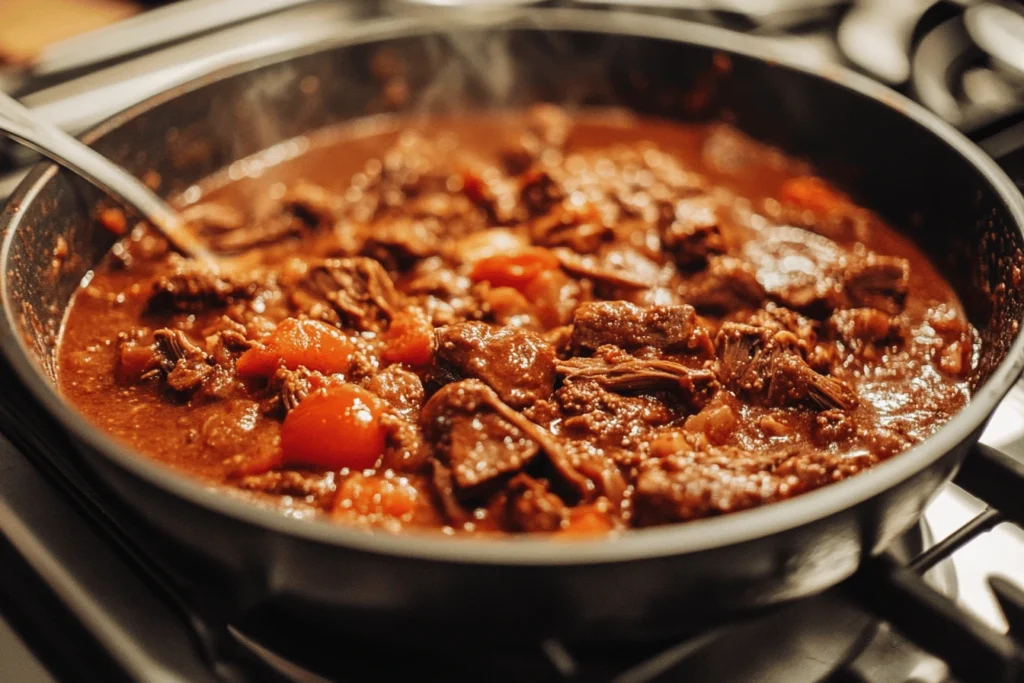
[(623, 374), (352, 292), (765, 366), (186, 365), (288, 388)]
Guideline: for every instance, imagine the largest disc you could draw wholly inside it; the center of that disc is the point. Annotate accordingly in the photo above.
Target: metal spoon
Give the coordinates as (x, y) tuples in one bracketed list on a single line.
[(20, 124)]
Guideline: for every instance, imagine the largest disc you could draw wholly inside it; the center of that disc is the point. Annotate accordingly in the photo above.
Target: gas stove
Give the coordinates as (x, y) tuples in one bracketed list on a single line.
[(93, 596)]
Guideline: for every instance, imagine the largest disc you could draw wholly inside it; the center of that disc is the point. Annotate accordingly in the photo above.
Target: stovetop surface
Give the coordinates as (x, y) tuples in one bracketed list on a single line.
[(80, 602)]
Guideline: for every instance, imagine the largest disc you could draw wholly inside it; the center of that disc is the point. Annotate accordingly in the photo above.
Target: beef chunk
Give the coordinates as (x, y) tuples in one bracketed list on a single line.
[(607, 418), (602, 275), (405, 449), (289, 388), (728, 284), (401, 241), (401, 389), (530, 506), (780, 319), (618, 323), (719, 480), (547, 129), (189, 289), (860, 326), (186, 365), (209, 218), (493, 193), (581, 229), (694, 233), (136, 361), (478, 437), (877, 282), (411, 168), (622, 373), (694, 484), (311, 204), (444, 492), (589, 470), (540, 190), (519, 365), (799, 269), (304, 207), (813, 274), (765, 367), (354, 292)]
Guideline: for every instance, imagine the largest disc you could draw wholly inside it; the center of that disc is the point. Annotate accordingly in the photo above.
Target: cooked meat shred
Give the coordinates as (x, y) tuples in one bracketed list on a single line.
[(186, 365), (765, 366), (624, 374), (352, 292)]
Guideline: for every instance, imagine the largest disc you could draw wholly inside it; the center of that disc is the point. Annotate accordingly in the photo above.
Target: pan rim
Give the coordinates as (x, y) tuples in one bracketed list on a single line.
[(673, 539)]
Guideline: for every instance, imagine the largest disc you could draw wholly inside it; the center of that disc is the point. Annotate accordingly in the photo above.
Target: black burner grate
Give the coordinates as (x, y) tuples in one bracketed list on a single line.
[(898, 594)]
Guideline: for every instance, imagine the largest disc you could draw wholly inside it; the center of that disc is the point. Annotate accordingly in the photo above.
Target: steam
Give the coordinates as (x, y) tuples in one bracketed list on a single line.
[(462, 58)]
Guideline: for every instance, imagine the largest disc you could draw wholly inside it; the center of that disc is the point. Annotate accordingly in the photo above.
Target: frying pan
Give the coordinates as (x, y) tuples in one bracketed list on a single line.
[(890, 154)]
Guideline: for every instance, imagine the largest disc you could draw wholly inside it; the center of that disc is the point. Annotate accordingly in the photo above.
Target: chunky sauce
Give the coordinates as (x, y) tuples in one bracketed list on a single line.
[(535, 322)]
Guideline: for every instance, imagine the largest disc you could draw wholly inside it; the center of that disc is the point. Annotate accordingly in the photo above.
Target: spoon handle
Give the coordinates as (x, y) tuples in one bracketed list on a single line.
[(20, 124)]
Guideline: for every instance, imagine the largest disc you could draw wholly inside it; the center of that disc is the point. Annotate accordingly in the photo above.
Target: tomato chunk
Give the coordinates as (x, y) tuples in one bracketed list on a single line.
[(810, 192), (311, 343), (514, 270), (409, 339), (334, 429)]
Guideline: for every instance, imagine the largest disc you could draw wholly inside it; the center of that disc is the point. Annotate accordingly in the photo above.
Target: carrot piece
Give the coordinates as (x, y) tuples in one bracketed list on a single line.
[(334, 429), (376, 495), (310, 343), (587, 520), (810, 192), (113, 219), (409, 339), (514, 270)]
